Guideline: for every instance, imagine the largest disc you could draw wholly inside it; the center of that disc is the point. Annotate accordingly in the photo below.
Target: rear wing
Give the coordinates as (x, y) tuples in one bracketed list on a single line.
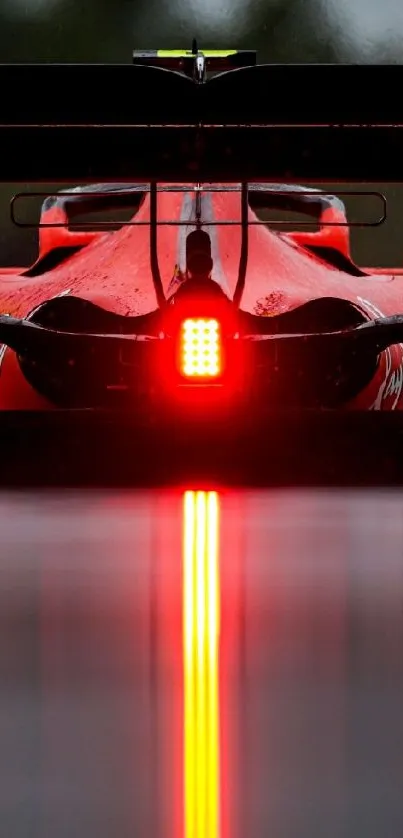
[(181, 60), (255, 123)]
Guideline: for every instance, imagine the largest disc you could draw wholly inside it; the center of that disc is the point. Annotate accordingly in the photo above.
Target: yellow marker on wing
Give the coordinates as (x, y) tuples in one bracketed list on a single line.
[(186, 53)]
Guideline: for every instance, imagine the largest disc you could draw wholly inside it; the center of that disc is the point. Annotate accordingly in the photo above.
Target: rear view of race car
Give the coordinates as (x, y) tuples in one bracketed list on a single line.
[(196, 312)]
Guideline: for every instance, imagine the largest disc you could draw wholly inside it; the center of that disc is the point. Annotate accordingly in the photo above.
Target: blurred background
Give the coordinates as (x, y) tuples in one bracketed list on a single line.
[(282, 30)]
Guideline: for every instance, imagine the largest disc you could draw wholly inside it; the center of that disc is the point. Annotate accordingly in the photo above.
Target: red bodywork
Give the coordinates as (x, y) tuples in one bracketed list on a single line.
[(113, 271)]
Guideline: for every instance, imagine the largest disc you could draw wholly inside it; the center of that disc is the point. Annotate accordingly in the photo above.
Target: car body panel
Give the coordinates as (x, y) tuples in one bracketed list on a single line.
[(112, 269)]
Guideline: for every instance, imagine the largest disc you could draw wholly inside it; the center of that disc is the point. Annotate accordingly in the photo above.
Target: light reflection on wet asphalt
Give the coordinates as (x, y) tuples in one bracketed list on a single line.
[(307, 735)]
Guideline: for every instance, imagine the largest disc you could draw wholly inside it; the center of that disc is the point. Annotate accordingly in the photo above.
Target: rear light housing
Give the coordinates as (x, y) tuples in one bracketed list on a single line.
[(200, 349)]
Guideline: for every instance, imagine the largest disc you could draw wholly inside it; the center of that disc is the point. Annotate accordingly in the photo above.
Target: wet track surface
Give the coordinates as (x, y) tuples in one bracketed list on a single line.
[(207, 664)]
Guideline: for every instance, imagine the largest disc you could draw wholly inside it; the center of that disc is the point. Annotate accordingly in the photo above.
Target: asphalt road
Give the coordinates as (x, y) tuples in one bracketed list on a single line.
[(310, 587)]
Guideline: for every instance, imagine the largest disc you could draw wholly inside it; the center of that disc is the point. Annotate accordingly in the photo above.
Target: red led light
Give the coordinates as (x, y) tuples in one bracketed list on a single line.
[(200, 348)]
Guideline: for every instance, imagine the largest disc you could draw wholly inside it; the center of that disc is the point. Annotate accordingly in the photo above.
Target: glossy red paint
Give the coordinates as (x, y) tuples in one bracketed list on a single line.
[(113, 270)]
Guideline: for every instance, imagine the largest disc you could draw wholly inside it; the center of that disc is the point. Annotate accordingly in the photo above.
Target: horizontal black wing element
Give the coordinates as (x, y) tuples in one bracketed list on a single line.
[(29, 339), (265, 122), (264, 95)]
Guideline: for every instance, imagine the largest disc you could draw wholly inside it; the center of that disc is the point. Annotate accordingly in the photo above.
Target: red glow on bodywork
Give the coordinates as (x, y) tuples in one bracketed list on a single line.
[(201, 365)]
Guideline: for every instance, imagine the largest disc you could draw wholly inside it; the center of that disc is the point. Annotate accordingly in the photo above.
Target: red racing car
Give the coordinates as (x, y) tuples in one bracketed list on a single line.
[(196, 308)]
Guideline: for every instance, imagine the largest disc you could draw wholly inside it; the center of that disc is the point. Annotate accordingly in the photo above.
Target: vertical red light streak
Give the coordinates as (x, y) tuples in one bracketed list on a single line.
[(201, 630)]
